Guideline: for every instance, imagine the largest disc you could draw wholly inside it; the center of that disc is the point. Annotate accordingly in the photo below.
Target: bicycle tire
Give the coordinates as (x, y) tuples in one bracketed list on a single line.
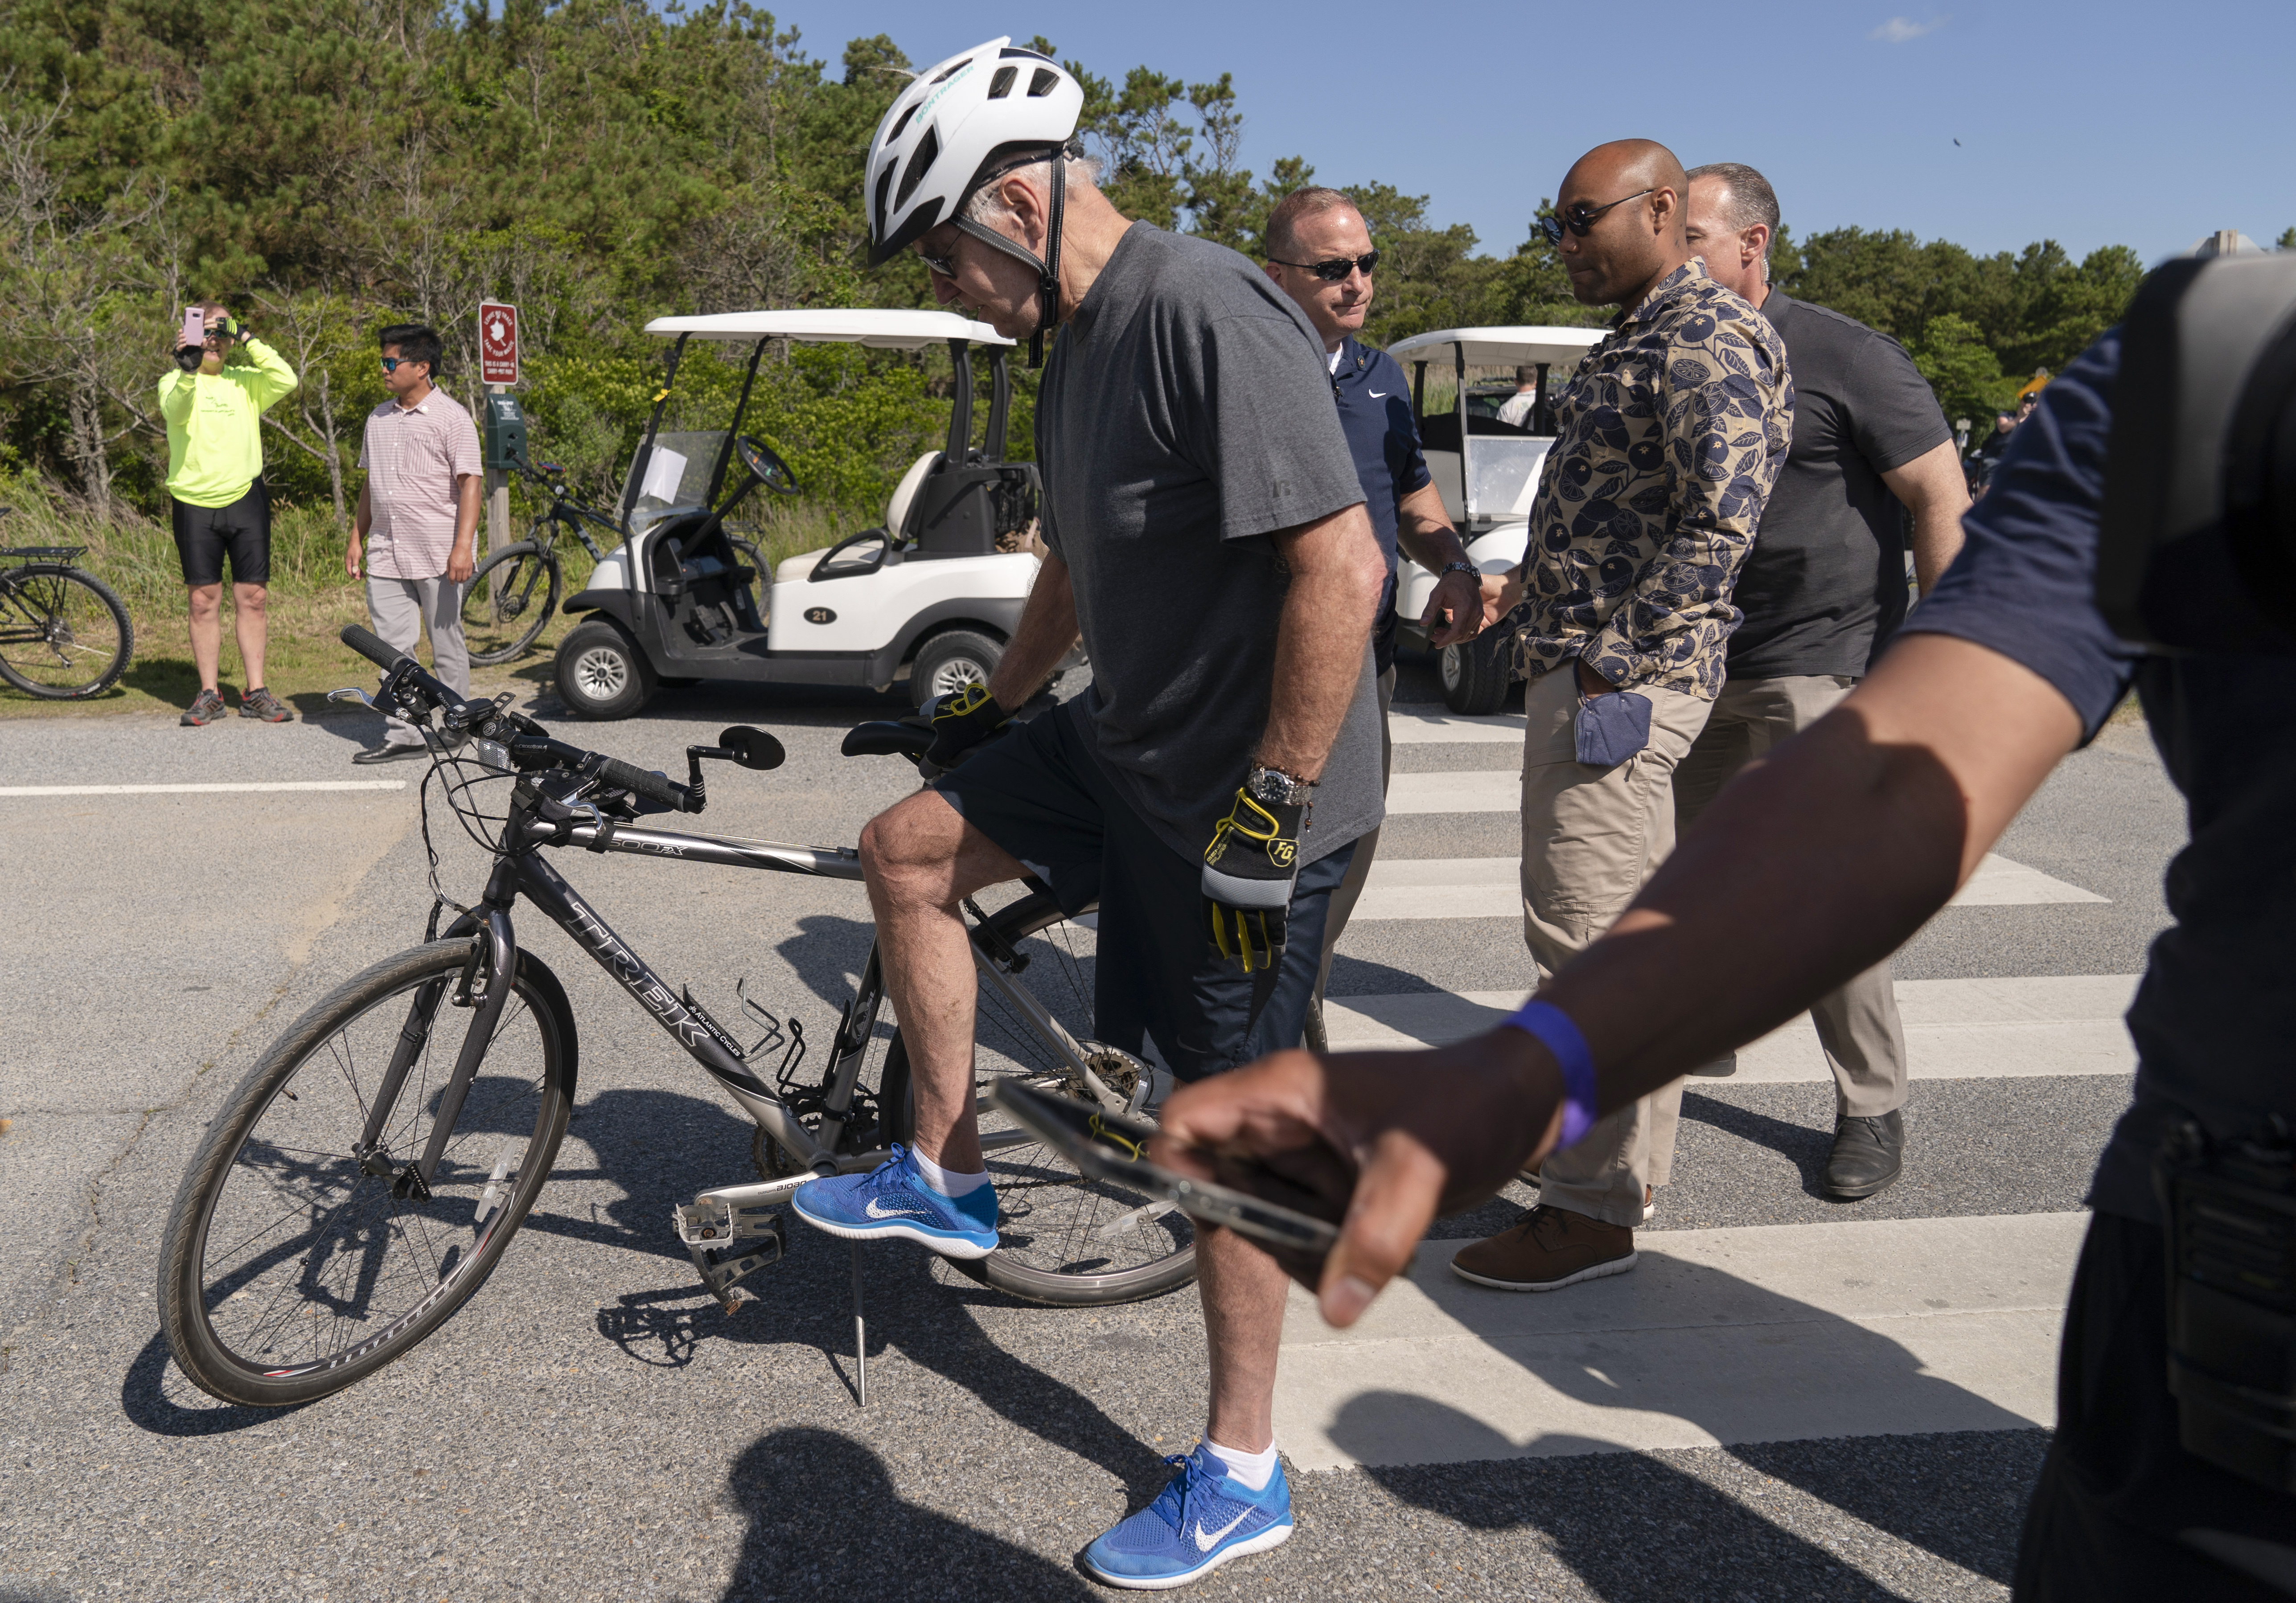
[(335, 1277), (57, 645), (502, 621), (1068, 1264)]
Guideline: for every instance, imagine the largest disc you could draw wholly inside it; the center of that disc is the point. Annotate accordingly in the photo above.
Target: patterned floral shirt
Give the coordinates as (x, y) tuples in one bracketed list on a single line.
[(1669, 436)]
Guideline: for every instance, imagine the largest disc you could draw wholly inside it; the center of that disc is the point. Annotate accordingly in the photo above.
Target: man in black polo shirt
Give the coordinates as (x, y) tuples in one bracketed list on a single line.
[(1822, 591), (1320, 254)]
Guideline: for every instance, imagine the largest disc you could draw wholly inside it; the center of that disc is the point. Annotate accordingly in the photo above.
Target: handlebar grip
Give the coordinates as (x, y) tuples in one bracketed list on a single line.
[(642, 783), (370, 647)]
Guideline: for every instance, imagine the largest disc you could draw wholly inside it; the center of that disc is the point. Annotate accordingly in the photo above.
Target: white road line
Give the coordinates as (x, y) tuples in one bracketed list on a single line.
[(1472, 790), (1761, 1333), (1487, 887), (1956, 1029), (200, 790), (1427, 729)]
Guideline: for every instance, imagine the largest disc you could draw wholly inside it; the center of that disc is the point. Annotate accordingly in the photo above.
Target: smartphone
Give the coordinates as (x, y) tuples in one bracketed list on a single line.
[(1297, 1226), (195, 328)]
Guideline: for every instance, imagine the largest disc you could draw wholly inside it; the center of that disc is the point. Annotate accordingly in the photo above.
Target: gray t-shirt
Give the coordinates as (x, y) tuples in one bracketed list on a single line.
[(1186, 416)]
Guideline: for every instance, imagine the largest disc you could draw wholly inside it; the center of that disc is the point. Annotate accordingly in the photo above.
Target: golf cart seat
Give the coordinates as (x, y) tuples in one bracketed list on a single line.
[(898, 507), (702, 579)]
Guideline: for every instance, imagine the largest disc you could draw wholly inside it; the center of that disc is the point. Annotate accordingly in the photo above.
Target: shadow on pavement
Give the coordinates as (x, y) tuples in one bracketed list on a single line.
[(781, 1480), (1800, 1145)]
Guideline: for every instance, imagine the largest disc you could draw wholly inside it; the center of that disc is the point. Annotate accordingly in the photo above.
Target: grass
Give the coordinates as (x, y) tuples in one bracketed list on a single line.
[(310, 600)]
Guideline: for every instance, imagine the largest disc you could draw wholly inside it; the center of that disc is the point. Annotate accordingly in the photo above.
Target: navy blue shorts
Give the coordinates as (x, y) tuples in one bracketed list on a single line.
[(1039, 792)]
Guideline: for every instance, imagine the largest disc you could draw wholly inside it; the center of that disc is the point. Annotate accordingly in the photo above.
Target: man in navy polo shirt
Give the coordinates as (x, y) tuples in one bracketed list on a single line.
[(1319, 252)]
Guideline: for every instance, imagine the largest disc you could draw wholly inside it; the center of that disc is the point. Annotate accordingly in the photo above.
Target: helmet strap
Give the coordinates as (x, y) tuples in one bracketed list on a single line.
[(1047, 266)]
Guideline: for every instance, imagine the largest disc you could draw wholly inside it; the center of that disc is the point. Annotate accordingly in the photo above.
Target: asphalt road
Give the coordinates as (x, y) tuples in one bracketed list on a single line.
[(591, 1425)]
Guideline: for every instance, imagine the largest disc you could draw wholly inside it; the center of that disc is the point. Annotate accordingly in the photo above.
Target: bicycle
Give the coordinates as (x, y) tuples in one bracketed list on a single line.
[(64, 637), (502, 616), (365, 1178)]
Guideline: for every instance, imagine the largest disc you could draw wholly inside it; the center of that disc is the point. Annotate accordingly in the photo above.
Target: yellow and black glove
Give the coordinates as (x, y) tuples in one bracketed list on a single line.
[(1249, 868), (961, 720)]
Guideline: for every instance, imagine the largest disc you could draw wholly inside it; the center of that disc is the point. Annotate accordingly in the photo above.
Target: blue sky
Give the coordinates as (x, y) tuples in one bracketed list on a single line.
[(2091, 124)]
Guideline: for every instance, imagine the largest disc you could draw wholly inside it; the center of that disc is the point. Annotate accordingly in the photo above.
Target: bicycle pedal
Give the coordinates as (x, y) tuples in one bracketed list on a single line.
[(727, 1244)]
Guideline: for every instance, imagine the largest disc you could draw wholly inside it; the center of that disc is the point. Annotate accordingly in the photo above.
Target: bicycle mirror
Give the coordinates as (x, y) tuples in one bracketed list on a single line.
[(752, 748)]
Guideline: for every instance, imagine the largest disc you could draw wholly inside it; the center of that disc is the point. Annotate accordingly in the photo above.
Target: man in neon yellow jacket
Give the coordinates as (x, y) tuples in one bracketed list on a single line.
[(214, 407)]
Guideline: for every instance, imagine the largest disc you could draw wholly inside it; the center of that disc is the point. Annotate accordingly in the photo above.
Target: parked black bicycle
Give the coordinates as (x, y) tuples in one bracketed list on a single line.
[(515, 592), (64, 637), (367, 1174)]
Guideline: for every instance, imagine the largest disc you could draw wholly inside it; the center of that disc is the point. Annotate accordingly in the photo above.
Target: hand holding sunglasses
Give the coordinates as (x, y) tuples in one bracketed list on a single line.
[(1336, 270)]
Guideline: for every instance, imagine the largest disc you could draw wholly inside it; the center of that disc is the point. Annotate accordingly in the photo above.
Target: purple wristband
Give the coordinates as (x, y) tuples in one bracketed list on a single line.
[(1552, 1028)]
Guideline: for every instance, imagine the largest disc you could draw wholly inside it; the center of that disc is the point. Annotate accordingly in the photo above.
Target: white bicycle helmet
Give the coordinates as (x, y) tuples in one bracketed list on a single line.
[(958, 125)]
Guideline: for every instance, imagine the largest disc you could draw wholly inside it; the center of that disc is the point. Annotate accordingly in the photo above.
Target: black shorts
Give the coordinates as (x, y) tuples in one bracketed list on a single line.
[(2122, 1511), (205, 535), (1039, 792)]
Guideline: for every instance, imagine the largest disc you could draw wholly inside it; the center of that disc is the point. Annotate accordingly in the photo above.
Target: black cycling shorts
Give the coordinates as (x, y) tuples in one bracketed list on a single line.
[(205, 535), (1039, 791)]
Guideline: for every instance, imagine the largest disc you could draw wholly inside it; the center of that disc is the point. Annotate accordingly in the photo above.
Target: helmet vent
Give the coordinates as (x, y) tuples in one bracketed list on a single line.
[(928, 148), (951, 71), (1001, 85), (908, 111), (1043, 83), (884, 182)]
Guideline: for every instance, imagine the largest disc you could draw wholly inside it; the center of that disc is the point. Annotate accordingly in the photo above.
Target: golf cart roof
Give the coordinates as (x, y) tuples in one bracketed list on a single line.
[(1501, 347), (881, 330)]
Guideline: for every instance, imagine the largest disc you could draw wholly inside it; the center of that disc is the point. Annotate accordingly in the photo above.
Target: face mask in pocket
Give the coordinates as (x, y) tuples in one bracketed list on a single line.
[(1612, 728)]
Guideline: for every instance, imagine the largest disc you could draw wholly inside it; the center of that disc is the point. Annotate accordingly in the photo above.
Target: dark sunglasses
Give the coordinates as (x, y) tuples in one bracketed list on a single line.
[(1581, 217), (1336, 270), (390, 364), (946, 266)]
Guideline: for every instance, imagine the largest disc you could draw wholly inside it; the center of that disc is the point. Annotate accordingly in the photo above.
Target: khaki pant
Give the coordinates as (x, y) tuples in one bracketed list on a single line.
[(1857, 1025), (1590, 838), (400, 610), (1344, 900)]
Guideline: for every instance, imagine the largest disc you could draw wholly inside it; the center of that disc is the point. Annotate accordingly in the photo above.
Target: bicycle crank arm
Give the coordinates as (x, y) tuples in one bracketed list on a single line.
[(500, 958), (753, 1193)]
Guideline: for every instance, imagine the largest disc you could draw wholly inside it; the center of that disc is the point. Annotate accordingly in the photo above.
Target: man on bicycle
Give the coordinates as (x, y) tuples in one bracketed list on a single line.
[(1208, 538)]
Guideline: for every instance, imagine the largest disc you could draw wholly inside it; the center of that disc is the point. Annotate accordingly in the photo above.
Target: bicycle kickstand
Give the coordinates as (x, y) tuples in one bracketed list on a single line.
[(860, 1338)]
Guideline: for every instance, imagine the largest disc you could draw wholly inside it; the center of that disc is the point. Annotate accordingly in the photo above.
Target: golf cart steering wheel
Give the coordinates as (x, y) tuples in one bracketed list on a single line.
[(767, 467)]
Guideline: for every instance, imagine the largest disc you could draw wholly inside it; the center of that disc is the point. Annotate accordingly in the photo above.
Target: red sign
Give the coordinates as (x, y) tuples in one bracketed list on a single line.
[(498, 343)]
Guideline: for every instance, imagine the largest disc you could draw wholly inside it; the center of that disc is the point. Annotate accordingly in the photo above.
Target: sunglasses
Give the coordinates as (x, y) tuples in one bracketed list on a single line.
[(1336, 270), (1581, 217), (390, 364)]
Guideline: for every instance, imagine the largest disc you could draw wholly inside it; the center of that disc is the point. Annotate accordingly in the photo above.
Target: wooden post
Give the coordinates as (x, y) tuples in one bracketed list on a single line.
[(497, 535)]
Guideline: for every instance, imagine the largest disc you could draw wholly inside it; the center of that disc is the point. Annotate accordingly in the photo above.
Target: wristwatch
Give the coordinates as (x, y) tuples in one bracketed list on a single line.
[(1469, 569), (1275, 786)]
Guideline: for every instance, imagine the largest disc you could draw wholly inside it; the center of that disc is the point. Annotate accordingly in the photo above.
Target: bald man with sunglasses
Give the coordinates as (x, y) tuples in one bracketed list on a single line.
[(1668, 439)]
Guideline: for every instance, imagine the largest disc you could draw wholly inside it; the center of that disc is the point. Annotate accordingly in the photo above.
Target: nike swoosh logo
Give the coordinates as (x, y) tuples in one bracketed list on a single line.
[(877, 1211), (1206, 1543), (1379, 394)]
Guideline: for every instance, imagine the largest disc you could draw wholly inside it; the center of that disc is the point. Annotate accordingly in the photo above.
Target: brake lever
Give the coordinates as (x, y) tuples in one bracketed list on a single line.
[(351, 692)]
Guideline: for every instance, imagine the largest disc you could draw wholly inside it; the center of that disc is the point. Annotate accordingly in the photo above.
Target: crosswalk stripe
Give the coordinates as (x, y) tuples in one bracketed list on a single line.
[(1956, 1029), (1472, 790), (1755, 1334), (1427, 729), (1487, 887)]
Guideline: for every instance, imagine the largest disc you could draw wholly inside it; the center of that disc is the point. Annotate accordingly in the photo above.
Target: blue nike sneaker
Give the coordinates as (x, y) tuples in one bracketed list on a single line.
[(1198, 1521), (893, 1200)]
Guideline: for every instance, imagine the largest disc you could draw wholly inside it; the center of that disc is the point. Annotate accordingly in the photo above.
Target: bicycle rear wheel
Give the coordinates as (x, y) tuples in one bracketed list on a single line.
[(289, 1267), (508, 601), (64, 637), (1063, 1239)]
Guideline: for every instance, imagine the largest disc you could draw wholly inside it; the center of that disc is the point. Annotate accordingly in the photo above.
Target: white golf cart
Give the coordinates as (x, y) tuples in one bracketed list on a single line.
[(1488, 471), (928, 597)]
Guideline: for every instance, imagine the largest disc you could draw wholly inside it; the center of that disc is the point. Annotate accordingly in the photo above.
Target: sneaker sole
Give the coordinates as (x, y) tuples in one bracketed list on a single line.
[(265, 717), (948, 1243), (1593, 1271), (1274, 1536)]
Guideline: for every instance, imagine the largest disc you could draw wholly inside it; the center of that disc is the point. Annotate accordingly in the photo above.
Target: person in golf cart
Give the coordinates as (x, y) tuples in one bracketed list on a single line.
[(1208, 537), (930, 596)]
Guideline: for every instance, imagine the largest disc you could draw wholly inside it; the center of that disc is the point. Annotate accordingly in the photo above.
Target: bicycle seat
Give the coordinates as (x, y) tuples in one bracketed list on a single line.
[(888, 737)]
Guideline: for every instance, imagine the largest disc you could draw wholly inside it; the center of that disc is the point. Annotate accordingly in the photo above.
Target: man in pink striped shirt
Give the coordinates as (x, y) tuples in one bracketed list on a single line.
[(418, 519)]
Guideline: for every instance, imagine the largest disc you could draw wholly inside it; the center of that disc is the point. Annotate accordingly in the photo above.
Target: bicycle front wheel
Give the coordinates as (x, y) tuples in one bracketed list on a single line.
[(293, 1265), (64, 637), (508, 601), (1062, 1239)]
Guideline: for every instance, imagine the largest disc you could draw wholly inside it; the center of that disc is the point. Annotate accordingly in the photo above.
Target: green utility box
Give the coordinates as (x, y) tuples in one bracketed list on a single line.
[(504, 433)]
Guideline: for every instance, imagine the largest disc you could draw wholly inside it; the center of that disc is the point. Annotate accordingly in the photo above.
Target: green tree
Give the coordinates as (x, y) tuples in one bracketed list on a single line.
[(1962, 371)]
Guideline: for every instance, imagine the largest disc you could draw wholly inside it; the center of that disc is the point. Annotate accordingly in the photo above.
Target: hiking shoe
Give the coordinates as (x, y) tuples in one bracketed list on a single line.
[(893, 1200), (262, 703), (1868, 1154), (206, 707), (1200, 1520), (1551, 1248)]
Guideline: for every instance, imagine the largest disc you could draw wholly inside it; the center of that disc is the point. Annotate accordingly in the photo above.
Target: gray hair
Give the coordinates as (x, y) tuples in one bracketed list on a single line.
[(987, 201), (1751, 200)]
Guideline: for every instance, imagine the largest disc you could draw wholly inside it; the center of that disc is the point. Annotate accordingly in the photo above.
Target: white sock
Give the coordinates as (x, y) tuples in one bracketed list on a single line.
[(945, 1183), (1254, 1469)]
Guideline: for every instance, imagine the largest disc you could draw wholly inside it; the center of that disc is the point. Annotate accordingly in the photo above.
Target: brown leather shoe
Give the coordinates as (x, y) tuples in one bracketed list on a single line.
[(1551, 1248)]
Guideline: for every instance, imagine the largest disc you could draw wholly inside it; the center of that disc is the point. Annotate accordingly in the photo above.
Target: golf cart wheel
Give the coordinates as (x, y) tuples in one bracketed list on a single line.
[(950, 661), (1477, 673), (601, 673)]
